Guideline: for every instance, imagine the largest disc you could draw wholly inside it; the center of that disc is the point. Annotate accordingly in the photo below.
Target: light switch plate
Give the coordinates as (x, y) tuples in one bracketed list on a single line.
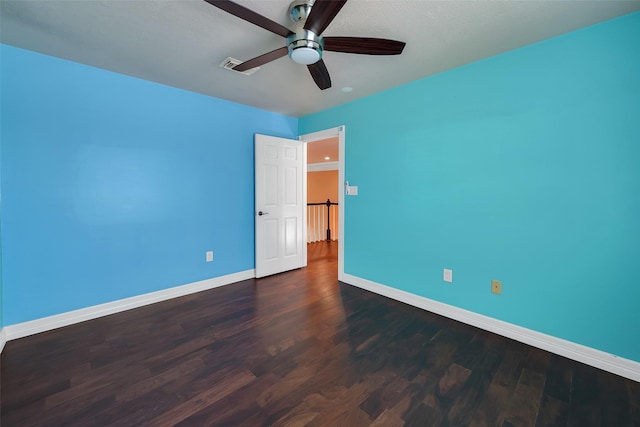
[(209, 256), (447, 275)]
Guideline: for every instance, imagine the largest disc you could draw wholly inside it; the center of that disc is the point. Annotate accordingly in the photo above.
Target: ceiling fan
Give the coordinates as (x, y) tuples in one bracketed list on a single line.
[(305, 44)]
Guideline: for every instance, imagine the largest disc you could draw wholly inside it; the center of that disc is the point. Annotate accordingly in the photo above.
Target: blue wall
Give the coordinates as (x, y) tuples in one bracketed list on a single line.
[(525, 168), (114, 187)]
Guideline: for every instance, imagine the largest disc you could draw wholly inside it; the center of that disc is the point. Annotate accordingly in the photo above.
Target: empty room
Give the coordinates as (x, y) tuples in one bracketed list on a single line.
[(319, 213)]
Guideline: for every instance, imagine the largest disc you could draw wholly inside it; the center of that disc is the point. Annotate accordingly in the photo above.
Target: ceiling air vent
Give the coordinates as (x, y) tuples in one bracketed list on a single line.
[(229, 63)]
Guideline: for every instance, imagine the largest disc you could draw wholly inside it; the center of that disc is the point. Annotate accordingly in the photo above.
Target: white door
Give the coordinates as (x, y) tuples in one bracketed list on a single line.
[(279, 183)]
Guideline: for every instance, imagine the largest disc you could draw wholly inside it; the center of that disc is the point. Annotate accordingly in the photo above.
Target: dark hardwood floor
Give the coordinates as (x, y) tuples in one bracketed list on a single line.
[(298, 349)]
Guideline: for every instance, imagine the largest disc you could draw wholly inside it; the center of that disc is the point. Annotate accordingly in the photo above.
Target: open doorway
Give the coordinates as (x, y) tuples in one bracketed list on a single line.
[(322, 199), (324, 196)]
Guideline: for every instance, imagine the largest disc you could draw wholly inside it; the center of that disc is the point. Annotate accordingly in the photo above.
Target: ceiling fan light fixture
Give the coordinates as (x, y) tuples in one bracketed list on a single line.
[(305, 47), (305, 55)]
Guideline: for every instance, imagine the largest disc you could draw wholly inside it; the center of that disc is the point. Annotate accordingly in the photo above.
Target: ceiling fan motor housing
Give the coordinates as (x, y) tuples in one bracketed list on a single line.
[(300, 9), (305, 47)]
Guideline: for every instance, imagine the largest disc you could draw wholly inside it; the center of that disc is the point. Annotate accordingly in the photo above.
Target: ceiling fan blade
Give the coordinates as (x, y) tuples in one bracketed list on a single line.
[(322, 13), (250, 16), (363, 45), (320, 74), (262, 59)]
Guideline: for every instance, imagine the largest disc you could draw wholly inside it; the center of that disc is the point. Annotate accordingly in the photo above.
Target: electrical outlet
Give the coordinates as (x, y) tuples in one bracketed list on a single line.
[(209, 256), (496, 287), (447, 275)]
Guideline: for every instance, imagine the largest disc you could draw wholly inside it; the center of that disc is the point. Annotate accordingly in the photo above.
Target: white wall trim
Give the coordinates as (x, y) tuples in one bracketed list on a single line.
[(36, 326), (322, 134), (587, 355), (3, 339), (325, 166)]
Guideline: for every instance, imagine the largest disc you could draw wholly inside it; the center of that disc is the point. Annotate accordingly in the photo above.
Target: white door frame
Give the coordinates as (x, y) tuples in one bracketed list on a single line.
[(316, 136)]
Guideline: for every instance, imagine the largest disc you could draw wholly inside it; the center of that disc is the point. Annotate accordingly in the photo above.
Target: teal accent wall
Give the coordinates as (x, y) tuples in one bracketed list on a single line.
[(524, 167), (114, 187), (1, 271)]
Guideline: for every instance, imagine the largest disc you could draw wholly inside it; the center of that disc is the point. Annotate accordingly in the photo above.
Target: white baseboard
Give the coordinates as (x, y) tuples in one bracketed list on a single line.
[(3, 339), (587, 355), (76, 316)]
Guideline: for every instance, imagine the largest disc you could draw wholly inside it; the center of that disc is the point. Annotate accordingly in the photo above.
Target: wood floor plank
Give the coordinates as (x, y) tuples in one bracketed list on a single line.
[(385, 397), (388, 419), (202, 400), (526, 399), (492, 408), (233, 409), (553, 412), (614, 400), (559, 379), (297, 349), (424, 415), (144, 386), (633, 394), (585, 409)]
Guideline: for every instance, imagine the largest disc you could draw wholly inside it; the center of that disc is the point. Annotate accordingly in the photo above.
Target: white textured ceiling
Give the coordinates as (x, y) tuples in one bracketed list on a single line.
[(182, 42)]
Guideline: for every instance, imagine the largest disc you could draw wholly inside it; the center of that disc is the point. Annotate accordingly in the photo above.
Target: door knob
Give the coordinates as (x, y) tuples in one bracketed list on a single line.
[(263, 213)]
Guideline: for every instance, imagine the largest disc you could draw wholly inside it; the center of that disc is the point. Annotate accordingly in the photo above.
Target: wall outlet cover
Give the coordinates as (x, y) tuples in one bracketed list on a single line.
[(496, 287)]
